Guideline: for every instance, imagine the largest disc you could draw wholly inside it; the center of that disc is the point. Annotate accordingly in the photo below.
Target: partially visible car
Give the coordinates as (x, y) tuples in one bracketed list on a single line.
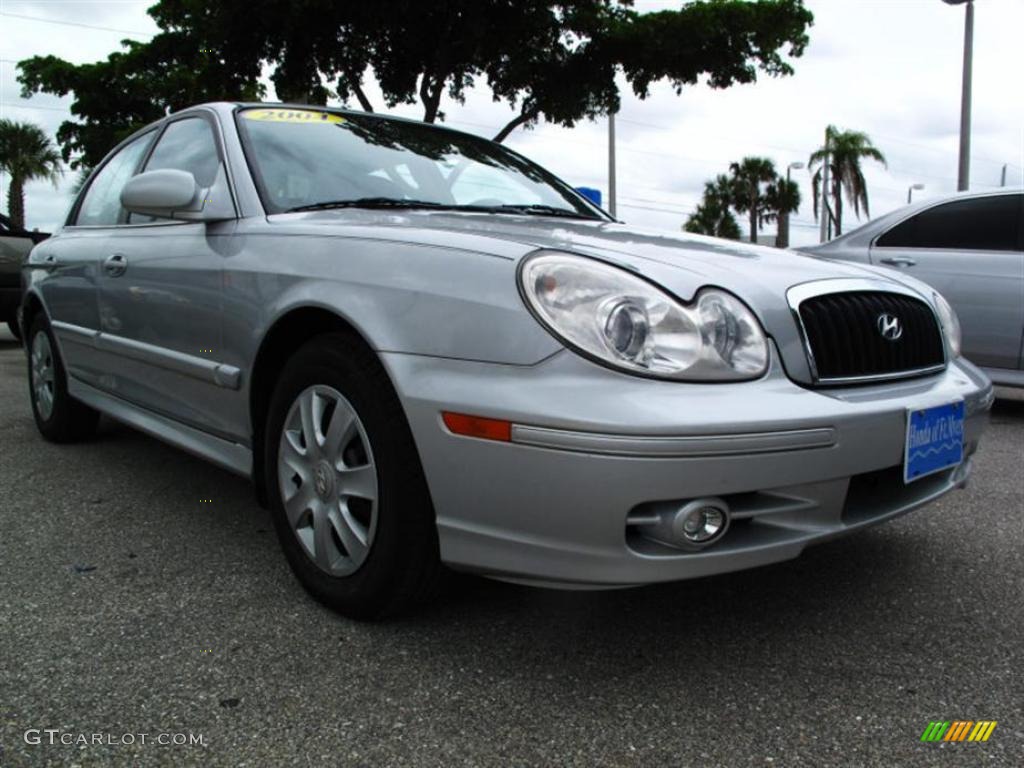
[(15, 244), (970, 248)]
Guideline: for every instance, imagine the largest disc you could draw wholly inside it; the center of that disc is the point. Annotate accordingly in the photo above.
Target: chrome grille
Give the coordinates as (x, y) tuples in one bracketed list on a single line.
[(846, 336)]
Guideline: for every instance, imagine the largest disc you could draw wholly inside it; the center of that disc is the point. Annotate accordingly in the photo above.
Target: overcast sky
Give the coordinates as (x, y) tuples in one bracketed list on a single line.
[(888, 67)]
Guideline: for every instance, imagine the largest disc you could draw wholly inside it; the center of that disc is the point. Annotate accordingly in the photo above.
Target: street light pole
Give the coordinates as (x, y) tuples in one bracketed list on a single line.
[(964, 174), (910, 191), (611, 164), (782, 238), (824, 193)]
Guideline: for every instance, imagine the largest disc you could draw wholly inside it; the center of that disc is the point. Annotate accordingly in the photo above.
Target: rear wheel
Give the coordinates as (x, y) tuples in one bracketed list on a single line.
[(59, 417), (347, 492)]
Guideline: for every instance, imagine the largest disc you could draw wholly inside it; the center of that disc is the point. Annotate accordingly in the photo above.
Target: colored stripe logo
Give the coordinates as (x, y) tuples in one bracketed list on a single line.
[(958, 730)]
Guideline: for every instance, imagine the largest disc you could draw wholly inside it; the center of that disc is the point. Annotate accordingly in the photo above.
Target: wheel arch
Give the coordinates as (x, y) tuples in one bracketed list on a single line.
[(31, 306), (283, 338)]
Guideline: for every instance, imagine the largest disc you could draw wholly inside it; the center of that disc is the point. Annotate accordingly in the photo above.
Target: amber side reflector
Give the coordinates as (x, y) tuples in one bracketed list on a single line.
[(478, 426)]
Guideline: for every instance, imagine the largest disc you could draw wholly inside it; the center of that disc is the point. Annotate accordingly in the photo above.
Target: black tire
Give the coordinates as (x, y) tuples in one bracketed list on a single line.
[(402, 567), (12, 326), (69, 420)]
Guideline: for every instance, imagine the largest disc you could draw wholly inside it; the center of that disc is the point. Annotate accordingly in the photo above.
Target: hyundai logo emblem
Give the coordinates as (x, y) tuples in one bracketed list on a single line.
[(889, 326)]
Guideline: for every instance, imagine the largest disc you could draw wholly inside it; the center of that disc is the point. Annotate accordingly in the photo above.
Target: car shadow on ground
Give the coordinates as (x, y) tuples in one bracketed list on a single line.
[(795, 587), (1009, 407)]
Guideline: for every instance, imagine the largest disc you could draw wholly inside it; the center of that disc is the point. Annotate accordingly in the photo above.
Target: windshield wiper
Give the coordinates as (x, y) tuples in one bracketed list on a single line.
[(397, 202), (544, 210), (369, 202)]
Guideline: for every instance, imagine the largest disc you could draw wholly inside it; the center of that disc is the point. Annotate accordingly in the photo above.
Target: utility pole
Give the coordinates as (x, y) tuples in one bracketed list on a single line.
[(782, 238), (611, 164), (1002, 181), (825, 216), (964, 175)]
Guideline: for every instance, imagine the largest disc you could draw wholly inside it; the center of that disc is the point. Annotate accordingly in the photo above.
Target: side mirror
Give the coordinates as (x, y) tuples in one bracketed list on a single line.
[(174, 194)]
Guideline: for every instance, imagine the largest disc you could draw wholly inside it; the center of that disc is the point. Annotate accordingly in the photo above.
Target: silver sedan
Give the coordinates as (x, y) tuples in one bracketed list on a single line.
[(424, 349)]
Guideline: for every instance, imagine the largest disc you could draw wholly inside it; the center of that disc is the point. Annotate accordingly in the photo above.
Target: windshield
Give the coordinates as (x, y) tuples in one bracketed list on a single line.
[(306, 159)]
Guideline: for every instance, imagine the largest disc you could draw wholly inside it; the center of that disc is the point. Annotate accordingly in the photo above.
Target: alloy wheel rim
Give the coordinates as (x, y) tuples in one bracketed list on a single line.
[(42, 374), (328, 480)]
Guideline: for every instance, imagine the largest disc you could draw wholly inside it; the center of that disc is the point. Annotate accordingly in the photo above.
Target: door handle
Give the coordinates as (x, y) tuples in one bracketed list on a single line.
[(115, 264), (898, 261)]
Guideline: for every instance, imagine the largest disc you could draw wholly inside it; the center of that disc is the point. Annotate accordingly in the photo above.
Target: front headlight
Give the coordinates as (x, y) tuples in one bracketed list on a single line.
[(950, 324), (619, 319)]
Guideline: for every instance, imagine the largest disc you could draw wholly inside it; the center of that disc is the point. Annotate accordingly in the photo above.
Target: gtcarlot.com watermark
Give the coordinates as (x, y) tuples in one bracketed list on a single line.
[(57, 736)]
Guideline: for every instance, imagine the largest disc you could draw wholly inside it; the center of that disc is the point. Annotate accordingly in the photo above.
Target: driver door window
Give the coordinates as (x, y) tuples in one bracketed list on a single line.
[(186, 145), (101, 205)]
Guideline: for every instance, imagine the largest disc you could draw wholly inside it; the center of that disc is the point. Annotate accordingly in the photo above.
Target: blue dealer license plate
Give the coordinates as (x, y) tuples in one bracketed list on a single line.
[(935, 440)]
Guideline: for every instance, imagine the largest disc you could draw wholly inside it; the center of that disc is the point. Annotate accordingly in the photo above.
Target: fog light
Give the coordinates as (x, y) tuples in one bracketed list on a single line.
[(690, 527), (701, 522)]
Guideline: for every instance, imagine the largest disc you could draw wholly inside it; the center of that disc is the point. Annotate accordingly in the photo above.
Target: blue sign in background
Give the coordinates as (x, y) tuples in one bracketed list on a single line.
[(593, 195), (935, 440)]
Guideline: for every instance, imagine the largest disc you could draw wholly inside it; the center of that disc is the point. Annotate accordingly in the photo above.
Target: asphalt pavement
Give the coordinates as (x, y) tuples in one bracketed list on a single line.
[(142, 592)]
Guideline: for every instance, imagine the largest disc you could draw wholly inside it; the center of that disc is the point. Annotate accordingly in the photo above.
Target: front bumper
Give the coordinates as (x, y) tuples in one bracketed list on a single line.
[(598, 449)]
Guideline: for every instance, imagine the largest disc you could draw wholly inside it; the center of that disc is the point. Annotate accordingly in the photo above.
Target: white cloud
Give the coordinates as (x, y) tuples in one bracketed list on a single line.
[(887, 67)]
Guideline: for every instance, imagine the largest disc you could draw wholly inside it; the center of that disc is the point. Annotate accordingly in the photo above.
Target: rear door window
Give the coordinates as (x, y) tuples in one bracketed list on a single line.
[(977, 224)]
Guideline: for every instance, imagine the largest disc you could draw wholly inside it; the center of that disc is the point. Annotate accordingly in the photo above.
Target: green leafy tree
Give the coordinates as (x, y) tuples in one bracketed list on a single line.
[(554, 61), (750, 178), (845, 150), (26, 153), (133, 87), (712, 215), (782, 199)]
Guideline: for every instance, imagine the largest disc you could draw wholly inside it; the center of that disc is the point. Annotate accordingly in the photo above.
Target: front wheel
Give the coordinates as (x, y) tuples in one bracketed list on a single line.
[(59, 417), (347, 492), (12, 326)]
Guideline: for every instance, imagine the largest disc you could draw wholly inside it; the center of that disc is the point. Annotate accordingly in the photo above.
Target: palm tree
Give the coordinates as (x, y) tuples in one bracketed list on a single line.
[(26, 153), (783, 199), (844, 150), (749, 177), (712, 216)]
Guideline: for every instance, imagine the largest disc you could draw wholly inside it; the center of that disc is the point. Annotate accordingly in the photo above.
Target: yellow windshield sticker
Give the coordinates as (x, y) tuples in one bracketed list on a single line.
[(291, 116)]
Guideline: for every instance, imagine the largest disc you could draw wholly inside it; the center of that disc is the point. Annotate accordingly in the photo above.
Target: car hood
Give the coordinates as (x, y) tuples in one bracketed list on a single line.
[(682, 263)]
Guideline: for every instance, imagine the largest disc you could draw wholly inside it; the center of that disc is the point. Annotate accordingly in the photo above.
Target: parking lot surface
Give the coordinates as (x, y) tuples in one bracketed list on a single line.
[(143, 592)]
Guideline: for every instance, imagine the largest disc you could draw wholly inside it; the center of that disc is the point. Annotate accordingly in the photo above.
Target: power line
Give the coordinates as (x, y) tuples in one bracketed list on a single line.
[(548, 138), (801, 152), (76, 24), (34, 106), (134, 33), (676, 212)]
